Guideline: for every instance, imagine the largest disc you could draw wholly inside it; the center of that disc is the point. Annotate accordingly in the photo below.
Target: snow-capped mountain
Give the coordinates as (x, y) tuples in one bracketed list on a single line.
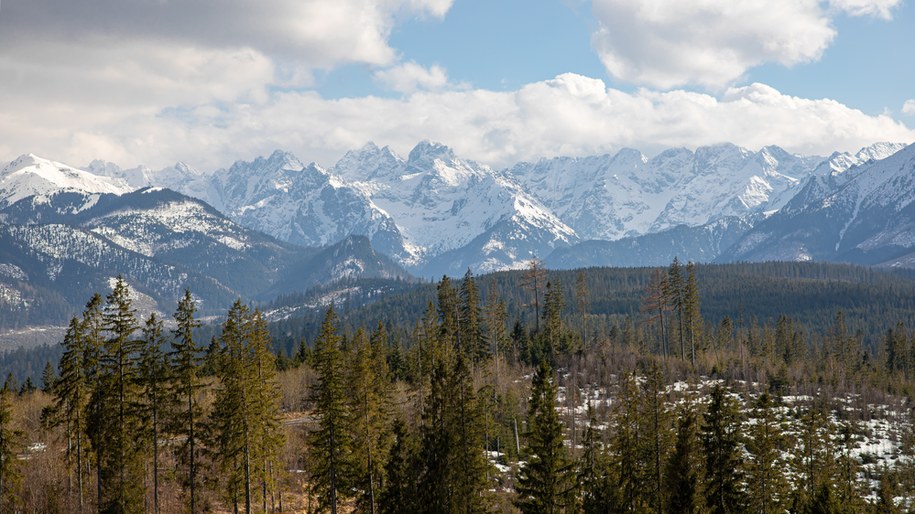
[(862, 214), (32, 176), (611, 197), (442, 204), (59, 246)]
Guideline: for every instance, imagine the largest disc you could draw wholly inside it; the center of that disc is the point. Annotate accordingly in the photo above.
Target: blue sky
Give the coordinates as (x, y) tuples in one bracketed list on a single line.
[(156, 82)]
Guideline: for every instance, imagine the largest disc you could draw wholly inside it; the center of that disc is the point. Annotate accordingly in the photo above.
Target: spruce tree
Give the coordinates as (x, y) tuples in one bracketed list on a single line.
[(229, 427), (767, 485), (814, 463), (683, 467), (330, 447), (10, 446), (399, 494), (546, 482), (692, 311), (654, 440), (594, 477), (185, 362), (370, 395), (721, 444), (268, 432), (48, 378), (626, 455), (157, 400), (465, 419), (71, 395), (116, 400), (470, 320)]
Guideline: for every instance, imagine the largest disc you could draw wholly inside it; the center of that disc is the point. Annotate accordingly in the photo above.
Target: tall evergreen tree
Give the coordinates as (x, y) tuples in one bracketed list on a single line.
[(532, 281), (767, 485), (683, 468), (71, 395), (692, 311), (472, 336), (10, 445), (675, 296), (330, 445), (654, 436), (157, 400), (370, 395), (546, 483), (627, 455), (399, 494), (185, 359), (116, 397), (465, 419), (721, 445), (268, 433), (594, 477)]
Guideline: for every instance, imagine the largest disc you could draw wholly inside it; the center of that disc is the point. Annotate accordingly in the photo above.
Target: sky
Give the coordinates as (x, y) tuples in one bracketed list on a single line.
[(208, 82)]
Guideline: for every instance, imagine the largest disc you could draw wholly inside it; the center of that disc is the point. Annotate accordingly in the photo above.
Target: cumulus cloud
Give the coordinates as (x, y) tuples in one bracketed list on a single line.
[(410, 77), (876, 8), (60, 55), (569, 115), (909, 107), (712, 43)]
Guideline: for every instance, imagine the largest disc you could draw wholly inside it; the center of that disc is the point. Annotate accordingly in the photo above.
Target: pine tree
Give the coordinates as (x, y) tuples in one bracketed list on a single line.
[(48, 378), (71, 395), (654, 436), (10, 444), (721, 444), (330, 445), (495, 317), (268, 437), (814, 463), (675, 296), (767, 485), (399, 492), (692, 311), (581, 302), (371, 413), (683, 468), (185, 359), (654, 305), (465, 418), (594, 478), (553, 332), (532, 281), (229, 428), (546, 483), (627, 457), (116, 398), (449, 315), (470, 323), (436, 444), (154, 382)]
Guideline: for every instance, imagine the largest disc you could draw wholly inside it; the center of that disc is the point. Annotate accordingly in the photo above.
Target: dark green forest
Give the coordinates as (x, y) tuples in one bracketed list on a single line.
[(776, 387)]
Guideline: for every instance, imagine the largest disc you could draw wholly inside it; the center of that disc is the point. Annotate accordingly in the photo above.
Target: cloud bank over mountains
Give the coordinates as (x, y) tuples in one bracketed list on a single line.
[(154, 82)]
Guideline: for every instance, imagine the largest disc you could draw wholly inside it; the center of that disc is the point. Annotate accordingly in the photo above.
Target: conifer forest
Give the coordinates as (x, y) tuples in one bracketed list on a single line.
[(519, 392)]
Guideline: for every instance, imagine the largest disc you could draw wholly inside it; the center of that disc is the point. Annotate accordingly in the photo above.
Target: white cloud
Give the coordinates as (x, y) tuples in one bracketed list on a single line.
[(876, 8), (712, 43), (104, 58), (909, 107), (568, 115), (410, 77)]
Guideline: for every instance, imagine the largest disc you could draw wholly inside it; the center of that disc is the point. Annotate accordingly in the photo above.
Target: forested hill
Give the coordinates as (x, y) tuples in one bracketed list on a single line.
[(810, 294)]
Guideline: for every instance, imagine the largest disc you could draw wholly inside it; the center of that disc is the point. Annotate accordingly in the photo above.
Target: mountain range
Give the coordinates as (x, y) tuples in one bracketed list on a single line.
[(275, 225)]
